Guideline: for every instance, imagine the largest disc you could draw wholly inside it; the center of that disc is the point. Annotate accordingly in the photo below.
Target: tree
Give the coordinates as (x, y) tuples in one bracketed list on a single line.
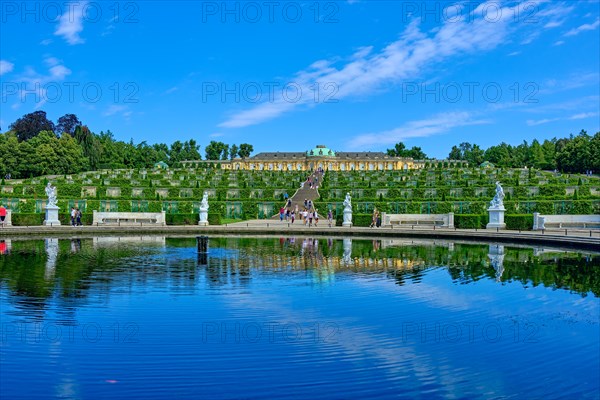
[(67, 124), (416, 153), (455, 154), (245, 150), (30, 125), (214, 150), (225, 152), (233, 153), (399, 150), (89, 145)]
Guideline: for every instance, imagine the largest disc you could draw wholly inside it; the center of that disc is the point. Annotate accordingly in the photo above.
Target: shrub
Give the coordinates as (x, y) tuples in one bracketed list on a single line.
[(182, 219), (27, 219), (523, 222), (214, 219), (470, 221)]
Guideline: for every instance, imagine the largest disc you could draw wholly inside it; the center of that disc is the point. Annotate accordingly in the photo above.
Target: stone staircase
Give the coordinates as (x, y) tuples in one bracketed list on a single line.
[(304, 193)]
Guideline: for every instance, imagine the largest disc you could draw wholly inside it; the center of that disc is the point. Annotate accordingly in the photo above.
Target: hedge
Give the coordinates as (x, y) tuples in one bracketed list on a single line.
[(470, 221), (519, 222)]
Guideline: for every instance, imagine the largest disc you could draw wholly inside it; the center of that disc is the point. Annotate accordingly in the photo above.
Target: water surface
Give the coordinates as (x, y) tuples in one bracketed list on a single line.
[(150, 318)]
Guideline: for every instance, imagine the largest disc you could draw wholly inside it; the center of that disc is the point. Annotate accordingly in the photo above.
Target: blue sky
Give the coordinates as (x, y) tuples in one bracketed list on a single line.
[(353, 75)]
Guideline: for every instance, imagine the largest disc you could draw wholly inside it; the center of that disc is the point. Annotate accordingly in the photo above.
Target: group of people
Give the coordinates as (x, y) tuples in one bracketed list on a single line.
[(75, 216), (308, 215), (375, 219)]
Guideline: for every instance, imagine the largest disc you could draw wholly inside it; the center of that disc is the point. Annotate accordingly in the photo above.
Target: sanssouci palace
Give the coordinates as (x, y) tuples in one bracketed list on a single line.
[(324, 158)]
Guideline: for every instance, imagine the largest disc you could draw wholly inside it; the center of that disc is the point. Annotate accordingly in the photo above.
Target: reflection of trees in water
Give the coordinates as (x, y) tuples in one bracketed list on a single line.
[(82, 269)]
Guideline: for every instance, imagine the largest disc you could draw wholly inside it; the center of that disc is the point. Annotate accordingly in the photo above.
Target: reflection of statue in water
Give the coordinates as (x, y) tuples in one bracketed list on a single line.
[(348, 202), (51, 193), (497, 201), (204, 202)]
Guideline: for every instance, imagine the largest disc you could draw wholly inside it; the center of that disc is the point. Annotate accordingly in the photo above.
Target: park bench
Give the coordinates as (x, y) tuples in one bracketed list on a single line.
[(442, 220), (129, 218), (541, 222)]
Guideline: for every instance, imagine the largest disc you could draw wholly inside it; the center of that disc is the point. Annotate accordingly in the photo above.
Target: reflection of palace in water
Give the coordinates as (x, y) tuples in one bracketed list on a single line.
[(40, 271)]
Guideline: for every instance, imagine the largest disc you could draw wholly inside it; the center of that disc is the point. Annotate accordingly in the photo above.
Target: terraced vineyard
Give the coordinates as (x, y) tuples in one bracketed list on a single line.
[(258, 194)]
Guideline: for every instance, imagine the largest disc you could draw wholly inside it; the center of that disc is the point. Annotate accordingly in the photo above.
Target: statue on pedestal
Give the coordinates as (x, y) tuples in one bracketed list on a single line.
[(497, 201), (347, 211), (204, 210), (51, 193)]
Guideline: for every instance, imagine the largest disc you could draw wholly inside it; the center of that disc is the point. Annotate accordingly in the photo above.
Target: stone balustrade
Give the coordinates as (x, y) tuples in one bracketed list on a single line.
[(442, 220), (565, 221), (129, 218)]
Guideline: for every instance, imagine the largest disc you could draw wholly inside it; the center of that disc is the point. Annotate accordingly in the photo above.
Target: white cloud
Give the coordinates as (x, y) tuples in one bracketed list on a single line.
[(583, 28), (117, 109), (559, 42), (46, 42), (35, 83), (578, 116), (514, 53), (435, 125), (70, 23), (6, 67), (171, 90), (216, 135), (584, 115), (406, 59), (531, 122)]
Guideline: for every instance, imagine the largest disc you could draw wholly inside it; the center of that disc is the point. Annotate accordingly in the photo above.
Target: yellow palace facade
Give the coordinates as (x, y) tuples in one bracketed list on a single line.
[(320, 157)]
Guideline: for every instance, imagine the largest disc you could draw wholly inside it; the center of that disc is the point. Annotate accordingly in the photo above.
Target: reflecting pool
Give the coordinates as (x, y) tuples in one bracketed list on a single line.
[(151, 318)]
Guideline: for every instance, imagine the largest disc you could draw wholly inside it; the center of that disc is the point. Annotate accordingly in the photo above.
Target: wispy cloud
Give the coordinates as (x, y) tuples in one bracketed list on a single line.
[(578, 116), (171, 90), (435, 125), (114, 109), (35, 82), (6, 67), (514, 53), (368, 72), (70, 24), (559, 43), (583, 28)]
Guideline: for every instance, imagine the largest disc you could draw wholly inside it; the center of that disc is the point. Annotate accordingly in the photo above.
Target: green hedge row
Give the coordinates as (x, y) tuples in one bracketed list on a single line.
[(87, 219)]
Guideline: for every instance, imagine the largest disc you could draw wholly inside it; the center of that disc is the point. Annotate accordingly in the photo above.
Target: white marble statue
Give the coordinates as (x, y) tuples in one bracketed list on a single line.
[(51, 193), (204, 202), (347, 211), (498, 200), (347, 202), (203, 221)]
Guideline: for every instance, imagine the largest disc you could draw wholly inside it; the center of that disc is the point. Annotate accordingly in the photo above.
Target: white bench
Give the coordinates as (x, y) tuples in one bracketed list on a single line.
[(8, 219), (443, 220), (129, 218), (565, 221)]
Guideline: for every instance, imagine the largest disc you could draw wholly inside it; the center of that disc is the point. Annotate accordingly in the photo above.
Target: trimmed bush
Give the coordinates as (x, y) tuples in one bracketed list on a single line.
[(214, 219), (523, 222), (27, 219), (182, 219), (470, 221)]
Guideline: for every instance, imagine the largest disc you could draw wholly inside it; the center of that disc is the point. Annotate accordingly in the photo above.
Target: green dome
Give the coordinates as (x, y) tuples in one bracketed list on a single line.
[(320, 151)]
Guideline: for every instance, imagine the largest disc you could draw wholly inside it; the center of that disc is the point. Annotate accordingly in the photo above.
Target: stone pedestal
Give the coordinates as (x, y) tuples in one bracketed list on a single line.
[(347, 217), (203, 217), (52, 216), (496, 218)]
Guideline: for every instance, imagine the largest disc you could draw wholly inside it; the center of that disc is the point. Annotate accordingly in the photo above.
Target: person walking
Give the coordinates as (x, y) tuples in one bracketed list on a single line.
[(316, 217), (73, 216), (2, 214), (293, 216), (78, 217), (330, 217)]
